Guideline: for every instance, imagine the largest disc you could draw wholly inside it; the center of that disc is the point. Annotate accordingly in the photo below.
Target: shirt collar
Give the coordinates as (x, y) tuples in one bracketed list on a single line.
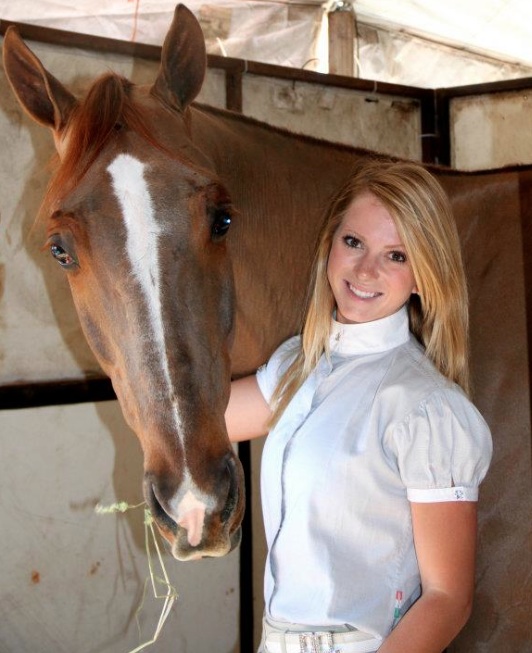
[(370, 337)]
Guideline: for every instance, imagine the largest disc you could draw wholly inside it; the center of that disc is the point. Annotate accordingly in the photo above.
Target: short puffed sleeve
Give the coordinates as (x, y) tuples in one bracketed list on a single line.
[(269, 374), (443, 449)]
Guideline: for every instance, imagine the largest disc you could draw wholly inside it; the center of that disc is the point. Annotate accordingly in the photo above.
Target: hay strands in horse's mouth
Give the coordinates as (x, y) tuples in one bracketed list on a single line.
[(170, 594)]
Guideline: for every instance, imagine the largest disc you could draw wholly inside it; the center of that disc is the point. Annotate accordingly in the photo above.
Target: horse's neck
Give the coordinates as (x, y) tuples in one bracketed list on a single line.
[(251, 157), (280, 184)]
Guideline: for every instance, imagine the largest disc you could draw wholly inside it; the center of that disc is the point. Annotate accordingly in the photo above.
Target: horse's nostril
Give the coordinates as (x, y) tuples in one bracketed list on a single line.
[(158, 512), (232, 495)]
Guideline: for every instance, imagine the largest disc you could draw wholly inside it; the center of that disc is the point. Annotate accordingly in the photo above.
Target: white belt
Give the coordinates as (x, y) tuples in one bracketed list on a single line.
[(320, 642)]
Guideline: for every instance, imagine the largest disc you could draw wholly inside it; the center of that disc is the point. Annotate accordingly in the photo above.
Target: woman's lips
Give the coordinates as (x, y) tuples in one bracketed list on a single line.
[(362, 294)]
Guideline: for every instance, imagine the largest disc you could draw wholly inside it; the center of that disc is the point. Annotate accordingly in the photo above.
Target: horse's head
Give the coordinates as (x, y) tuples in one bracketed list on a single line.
[(137, 220)]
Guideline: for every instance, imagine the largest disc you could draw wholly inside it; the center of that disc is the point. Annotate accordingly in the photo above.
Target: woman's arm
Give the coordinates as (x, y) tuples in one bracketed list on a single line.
[(247, 413), (445, 539)]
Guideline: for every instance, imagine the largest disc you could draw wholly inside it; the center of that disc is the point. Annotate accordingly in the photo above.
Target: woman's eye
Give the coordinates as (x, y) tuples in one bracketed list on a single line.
[(398, 257), (61, 256), (351, 241)]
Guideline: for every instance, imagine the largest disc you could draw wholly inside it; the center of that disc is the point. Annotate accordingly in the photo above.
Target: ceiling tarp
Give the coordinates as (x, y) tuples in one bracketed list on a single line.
[(415, 42)]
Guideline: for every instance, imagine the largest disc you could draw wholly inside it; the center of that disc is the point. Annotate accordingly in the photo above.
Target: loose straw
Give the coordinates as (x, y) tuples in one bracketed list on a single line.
[(171, 594)]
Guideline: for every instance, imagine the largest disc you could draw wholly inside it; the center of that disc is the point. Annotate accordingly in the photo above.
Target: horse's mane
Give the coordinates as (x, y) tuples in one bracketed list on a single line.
[(436, 168), (106, 110)]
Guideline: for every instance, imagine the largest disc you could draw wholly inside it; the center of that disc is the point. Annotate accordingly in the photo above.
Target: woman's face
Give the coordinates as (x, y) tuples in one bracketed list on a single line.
[(368, 270)]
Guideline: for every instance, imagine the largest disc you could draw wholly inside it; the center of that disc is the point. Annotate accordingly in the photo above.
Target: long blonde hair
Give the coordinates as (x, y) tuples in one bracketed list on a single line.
[(438, 315)]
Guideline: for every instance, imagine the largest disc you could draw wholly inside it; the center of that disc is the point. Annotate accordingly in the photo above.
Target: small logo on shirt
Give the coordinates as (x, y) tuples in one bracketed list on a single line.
[(459, 494), (398, 606)]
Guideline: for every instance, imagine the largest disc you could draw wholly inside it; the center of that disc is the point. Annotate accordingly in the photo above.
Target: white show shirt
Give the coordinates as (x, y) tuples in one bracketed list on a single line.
[(375, 427)]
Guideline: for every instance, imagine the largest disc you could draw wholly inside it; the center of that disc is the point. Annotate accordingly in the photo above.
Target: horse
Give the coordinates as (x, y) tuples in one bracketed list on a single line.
[(187, 236)]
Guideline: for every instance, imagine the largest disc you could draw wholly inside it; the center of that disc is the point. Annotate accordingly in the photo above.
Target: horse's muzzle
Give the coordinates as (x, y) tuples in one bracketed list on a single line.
[(195, 523)]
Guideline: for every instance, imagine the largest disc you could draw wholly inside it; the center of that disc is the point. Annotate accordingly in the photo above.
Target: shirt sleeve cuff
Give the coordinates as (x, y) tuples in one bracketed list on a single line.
[(437, 495)]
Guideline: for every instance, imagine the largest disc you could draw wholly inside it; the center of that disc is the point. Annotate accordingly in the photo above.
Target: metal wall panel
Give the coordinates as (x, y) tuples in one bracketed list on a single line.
[(373, 121), (491, 130)]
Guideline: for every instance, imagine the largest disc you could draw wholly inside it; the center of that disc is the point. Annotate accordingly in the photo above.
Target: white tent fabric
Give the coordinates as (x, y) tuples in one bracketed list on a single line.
[(415, 42)]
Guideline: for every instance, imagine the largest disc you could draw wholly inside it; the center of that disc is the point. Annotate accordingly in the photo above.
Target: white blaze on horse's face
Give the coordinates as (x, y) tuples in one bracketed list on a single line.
[(142, 245)]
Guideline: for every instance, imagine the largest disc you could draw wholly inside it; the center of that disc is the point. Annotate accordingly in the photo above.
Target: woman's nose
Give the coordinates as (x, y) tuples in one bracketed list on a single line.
[(367, 267)]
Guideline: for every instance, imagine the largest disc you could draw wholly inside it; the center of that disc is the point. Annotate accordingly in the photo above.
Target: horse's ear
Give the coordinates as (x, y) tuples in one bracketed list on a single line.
[(183, 61), (45, 99)]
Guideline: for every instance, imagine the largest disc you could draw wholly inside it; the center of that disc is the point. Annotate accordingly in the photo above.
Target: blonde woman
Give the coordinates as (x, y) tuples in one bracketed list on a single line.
[(374, 455)]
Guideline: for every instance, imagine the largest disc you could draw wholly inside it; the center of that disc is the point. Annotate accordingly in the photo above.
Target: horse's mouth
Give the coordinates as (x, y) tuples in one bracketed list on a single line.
[(182, 551)]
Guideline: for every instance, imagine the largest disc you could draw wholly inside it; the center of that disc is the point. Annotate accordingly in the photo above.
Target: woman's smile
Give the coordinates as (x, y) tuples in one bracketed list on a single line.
[(362, 294)]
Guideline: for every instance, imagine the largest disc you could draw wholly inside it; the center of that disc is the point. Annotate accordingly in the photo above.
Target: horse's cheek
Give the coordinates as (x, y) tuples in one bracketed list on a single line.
[(94, 327)]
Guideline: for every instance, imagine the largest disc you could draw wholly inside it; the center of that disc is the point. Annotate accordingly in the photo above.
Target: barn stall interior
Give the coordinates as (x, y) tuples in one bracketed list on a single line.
[(72, 579)]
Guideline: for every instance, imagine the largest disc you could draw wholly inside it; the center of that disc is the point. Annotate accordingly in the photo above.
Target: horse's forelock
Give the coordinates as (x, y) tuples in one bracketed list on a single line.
[(89, 128), (106, 108)]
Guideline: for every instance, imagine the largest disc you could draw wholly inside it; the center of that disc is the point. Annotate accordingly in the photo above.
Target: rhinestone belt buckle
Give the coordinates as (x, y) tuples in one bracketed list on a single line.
[(317, 643)]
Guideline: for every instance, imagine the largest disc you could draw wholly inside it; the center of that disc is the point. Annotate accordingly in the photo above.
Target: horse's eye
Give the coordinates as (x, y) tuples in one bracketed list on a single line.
[(221, 223), (61, 256)]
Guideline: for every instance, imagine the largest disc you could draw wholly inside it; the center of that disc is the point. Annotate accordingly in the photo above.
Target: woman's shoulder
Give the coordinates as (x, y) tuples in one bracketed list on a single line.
[(412, 370), (269, 374), (285, 351), (412, 381)]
